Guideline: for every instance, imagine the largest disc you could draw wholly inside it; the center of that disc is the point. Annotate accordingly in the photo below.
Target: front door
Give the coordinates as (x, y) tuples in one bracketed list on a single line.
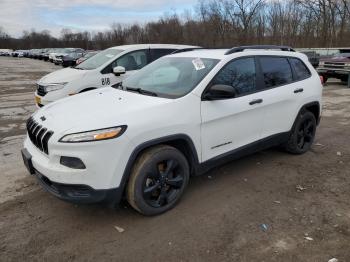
[(132, 62), (229, 124)]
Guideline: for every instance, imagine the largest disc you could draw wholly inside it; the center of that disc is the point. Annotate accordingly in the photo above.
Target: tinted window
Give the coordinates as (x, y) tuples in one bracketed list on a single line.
[(158, 53), (239, 74), (132, 61), (300, 69), (276, 71)]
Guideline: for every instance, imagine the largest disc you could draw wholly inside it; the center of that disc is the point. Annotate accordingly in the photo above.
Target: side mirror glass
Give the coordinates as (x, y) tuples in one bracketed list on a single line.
[(218, 92), (119, 70)]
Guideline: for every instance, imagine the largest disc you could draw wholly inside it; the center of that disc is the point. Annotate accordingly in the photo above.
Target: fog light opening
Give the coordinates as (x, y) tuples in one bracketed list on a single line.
[(72, 162)]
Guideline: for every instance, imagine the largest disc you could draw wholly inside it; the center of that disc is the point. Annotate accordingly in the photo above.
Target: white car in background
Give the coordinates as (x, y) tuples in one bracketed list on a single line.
[(53, 53), (106, 68), (18, 53), (5, 52)]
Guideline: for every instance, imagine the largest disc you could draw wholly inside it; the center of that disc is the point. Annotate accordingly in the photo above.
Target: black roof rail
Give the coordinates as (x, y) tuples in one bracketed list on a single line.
[(186, 50), (260, 47)]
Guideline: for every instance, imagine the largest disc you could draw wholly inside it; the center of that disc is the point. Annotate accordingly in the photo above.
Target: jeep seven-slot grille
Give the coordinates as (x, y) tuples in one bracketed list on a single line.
[(39, 135), (41, 90)]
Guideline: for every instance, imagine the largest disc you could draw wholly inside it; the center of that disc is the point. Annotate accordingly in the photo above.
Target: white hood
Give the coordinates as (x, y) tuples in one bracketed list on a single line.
[(62, 76), (102, 108)]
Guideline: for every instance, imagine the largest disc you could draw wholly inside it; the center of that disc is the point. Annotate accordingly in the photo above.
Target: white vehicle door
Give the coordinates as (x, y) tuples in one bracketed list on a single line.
[(132, 62), (283, 93), (228, 124)]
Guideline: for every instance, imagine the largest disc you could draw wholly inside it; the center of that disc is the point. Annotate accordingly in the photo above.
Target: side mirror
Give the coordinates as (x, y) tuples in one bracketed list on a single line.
[(218, 92), (119, 70)]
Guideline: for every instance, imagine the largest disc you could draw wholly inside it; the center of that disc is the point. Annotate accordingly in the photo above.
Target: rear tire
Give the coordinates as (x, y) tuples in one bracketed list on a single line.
[(158, 180), (303, 134)]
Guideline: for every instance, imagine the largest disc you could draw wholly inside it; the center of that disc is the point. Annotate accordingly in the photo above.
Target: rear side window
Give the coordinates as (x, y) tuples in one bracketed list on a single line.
[(300, 69), (276, 71), (132, 61), (239, 74)]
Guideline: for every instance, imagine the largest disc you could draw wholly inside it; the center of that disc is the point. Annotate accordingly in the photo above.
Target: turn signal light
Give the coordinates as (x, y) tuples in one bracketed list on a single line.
[(106, 135)]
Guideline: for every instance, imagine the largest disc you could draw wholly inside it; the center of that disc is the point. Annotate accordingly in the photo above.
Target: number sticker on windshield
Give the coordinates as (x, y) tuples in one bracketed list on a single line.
[(105, 81), (198, 64)]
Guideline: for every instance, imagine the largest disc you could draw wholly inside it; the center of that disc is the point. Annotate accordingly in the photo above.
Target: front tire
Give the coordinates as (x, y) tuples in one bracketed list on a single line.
[(303, 134), (158, 180)]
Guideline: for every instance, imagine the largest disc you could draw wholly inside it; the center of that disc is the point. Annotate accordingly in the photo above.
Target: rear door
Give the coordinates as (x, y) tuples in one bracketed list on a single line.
[(229, 124), (282, 93)]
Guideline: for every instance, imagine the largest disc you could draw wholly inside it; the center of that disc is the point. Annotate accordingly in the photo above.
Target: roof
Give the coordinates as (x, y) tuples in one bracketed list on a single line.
[(143, 46), (220, 53), (204, 53)]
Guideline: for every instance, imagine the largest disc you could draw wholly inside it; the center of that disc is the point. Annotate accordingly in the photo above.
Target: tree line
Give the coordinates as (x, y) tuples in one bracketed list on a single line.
[(216, 23)]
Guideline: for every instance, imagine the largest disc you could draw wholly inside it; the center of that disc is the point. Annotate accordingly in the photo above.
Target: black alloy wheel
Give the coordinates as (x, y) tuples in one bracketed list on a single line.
[(157, 180), (163, 183), (305, 134)]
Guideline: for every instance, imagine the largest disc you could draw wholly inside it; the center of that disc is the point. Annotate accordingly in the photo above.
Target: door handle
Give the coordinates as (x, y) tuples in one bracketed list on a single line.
[(256, 101), (299, 90)]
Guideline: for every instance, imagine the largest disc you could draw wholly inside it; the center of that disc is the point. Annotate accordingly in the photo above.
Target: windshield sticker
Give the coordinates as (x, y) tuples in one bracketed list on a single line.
[(198, 64), (109, 55)]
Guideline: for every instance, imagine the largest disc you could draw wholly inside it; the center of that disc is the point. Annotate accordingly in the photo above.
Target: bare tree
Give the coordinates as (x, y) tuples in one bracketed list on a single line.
[(216, 23)]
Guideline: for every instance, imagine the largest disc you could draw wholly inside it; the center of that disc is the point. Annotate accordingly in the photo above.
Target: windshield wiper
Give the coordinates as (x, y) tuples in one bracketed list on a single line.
[(141, 91), (118, 86)]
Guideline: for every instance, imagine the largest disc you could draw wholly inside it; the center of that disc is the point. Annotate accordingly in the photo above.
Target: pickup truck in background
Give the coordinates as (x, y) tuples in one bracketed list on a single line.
[(337, 66)]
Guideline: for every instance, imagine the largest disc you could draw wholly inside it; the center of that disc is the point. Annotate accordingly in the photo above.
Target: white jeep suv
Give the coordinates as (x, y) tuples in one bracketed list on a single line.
[(178, 116), (104, 69)]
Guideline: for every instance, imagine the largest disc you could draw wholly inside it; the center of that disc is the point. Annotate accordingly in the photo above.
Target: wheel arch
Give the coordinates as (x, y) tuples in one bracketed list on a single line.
[(313, 107), (181, 142)]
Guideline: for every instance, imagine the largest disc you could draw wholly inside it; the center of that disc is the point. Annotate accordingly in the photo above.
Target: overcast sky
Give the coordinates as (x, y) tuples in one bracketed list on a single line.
[(19, 15)]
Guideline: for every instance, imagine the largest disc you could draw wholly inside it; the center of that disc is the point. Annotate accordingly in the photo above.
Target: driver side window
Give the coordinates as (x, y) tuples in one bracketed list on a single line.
[(132, 61), (240, 74)]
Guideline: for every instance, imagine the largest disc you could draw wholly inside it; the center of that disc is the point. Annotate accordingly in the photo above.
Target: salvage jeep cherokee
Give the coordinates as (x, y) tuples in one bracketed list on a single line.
[(178, 116)]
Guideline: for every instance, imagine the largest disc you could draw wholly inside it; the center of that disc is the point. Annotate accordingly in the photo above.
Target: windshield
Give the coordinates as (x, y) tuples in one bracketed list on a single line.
[(171, 77), (99, 59)]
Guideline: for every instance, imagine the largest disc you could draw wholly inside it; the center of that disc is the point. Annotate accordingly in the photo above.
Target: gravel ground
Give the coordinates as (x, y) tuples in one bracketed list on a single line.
[(270, 206)]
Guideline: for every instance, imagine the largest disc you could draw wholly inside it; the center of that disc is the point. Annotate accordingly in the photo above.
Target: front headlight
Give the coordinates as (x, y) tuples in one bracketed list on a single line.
[(54, 87), (94, 135)]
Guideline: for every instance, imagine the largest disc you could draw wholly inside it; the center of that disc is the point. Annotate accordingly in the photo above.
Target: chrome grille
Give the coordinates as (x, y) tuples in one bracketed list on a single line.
[(39, 135)]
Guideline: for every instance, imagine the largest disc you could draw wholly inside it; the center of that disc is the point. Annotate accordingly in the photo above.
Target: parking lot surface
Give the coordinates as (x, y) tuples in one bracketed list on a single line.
[(270, 206)]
